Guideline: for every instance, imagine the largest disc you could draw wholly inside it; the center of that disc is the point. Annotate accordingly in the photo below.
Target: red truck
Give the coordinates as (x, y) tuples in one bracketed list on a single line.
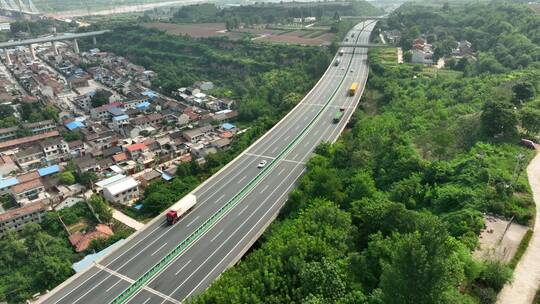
[(180, 208), (528, 143)]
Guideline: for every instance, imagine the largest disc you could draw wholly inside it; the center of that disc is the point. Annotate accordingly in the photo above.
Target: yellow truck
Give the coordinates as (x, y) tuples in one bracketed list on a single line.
[(353, 89)]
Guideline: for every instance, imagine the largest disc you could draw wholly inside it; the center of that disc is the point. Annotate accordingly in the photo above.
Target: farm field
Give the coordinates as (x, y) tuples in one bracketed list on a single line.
[(204, 30), (535, 7)]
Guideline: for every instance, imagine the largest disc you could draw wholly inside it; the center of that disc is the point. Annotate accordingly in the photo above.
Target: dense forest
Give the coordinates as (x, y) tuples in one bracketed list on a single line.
[(262, 75), (264, 13), (506, 35), (391, 212)]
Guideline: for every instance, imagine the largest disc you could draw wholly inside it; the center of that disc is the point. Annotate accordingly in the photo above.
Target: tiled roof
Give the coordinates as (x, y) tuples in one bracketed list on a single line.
[(28, 139), (27, 209), (136, 147), (28, 176), (119, 157), (20, 188), (82, 241)]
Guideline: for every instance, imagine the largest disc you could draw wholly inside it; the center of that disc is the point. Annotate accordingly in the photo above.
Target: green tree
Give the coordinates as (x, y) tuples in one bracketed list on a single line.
[(87, 178), (6, 111), (326, 279), (50, 112), (101, 208), (523, 91), (495, 274), (101, 97), (72, 136), (361, 185), (499, 119), (530, 119), (67, 178), (422, 268)]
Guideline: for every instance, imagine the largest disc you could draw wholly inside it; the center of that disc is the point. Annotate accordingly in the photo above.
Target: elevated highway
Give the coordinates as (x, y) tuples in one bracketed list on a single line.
[(52, 39), (168, 264)]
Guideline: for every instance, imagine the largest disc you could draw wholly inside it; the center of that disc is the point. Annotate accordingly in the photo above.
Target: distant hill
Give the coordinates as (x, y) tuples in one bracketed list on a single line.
[(63, 5)]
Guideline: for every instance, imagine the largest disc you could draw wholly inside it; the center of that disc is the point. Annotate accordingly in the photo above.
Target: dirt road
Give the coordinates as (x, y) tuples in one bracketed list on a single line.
[(527, 273)]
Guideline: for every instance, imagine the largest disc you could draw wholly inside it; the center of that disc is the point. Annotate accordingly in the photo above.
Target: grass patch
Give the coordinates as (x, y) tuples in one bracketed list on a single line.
[(521, 250), (316, 34), (434, 72), (286, 31), (135, 214), (80, 226), (388, 56)]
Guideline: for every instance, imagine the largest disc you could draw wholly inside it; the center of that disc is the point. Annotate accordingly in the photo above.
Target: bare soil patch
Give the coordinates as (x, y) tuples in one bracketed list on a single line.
[(499, 240), (194, 30), (535, 7), (204, 30)]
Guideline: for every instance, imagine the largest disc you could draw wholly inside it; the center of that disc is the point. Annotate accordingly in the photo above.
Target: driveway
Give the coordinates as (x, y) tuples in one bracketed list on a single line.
[(527, 273)]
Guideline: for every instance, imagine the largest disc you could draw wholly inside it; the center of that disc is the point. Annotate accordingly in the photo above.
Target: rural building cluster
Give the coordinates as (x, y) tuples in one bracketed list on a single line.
[(422, 52), (107, 121)]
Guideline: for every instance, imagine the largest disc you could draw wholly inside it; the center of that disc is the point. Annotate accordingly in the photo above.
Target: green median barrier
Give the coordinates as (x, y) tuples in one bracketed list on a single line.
[(130, 291)]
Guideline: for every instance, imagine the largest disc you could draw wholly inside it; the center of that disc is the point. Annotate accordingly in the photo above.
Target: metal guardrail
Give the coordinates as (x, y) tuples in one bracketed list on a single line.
[(233, 202)]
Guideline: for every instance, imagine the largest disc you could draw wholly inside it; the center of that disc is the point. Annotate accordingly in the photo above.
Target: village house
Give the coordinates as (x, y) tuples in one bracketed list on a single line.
[(120, 189), (195, 135), (81, 241), (16, 219), (55, 149), (29, 157), (102, 112), (7, 165), (28, 192), (14, 143)]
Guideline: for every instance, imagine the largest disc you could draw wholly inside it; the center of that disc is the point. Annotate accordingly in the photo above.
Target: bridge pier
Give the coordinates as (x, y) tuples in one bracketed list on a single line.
[(94, 40), (32, 51), (75, 46), (55, 47), (8, 59)]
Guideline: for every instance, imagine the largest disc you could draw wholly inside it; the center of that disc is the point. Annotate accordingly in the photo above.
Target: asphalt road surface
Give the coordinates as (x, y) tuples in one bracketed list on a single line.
[(286, 147)]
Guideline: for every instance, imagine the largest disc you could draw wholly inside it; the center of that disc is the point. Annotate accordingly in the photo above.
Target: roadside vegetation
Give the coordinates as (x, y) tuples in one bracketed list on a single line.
[(266, 80), (391, 212), (40, 256), (521, 249)]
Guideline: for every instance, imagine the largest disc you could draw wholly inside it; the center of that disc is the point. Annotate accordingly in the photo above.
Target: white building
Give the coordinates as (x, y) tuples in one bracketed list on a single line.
[(54, 148), (120, 189), (423, 57)]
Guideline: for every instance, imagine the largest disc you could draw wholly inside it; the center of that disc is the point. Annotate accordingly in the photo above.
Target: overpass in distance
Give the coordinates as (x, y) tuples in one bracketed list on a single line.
[(365, 17), (53, 39), (62, 37), (364, 45), (168, 264), (20, 7)]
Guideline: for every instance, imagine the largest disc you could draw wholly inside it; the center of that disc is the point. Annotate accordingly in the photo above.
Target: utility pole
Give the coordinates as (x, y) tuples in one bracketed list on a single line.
[(517, 168)]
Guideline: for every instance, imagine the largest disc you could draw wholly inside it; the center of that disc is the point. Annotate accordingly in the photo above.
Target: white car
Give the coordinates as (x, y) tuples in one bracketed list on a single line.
[(262, 164)]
